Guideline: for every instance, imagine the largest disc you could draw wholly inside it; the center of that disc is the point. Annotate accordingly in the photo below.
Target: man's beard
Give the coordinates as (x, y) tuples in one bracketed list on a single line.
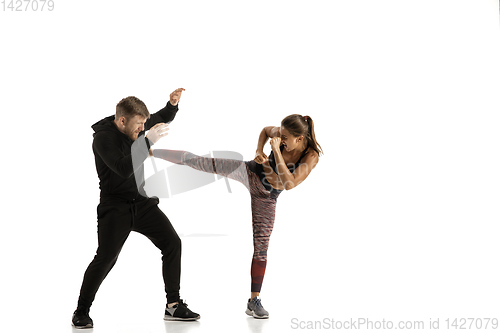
[(133, 135)]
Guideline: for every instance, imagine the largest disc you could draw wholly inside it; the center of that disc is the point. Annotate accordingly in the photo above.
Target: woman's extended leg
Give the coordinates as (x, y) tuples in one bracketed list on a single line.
[(234, 169)]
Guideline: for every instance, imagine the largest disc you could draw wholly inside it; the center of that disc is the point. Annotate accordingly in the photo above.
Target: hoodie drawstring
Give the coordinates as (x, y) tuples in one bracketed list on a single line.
[(133, 209)]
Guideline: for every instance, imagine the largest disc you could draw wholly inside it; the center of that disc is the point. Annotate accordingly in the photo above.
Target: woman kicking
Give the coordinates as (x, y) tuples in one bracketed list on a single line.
[(295, 152)]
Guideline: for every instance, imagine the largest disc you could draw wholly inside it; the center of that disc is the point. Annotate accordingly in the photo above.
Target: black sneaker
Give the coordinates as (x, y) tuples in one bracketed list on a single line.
[(81, 319), (180, 312)]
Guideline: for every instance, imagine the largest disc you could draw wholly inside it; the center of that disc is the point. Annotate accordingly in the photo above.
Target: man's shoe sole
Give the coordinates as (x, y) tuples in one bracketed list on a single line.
[(170, 318), (82, 327)]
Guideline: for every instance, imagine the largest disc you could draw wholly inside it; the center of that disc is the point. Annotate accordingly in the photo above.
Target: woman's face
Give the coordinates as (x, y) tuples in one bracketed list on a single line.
[(289, 141)]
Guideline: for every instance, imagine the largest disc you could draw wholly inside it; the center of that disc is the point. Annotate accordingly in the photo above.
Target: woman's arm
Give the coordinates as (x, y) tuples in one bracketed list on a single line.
[(288, 179), (267, 132)]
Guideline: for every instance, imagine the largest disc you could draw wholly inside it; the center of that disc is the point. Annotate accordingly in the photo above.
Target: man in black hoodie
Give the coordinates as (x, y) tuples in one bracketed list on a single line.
[(120, 148)]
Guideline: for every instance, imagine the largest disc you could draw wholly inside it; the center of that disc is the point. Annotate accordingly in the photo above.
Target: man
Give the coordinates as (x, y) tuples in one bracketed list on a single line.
[(120, 150)]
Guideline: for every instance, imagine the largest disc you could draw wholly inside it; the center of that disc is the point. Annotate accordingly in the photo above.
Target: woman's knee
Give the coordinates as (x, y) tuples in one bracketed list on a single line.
[(260, 255)]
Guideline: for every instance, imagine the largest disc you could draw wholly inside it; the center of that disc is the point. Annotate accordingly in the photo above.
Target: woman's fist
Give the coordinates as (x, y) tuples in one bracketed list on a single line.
[(260, 158), (275, 143)]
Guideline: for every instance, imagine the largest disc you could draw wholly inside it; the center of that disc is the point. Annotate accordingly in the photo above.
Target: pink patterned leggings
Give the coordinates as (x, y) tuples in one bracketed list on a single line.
[(263, 205)]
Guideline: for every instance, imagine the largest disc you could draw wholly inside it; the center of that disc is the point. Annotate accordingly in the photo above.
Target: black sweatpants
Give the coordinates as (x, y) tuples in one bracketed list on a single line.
[(115, 222)]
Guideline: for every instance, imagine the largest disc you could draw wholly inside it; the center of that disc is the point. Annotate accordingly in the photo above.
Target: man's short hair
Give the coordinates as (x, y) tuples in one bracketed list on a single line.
[(131, 106)]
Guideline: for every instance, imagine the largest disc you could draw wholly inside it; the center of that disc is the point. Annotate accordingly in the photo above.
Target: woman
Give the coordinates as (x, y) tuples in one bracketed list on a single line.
[(295, 152)]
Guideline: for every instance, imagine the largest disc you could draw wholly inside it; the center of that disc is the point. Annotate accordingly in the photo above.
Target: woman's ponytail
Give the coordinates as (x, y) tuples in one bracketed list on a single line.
[(312, 137)]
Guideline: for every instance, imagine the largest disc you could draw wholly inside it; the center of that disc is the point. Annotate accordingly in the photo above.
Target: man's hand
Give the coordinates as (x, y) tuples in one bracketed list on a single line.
[(176, 96), (260, 158), (275, 144), (157, 132)]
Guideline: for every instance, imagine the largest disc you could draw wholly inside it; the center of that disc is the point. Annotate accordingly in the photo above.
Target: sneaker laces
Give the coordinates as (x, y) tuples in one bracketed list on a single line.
[(258, 303)]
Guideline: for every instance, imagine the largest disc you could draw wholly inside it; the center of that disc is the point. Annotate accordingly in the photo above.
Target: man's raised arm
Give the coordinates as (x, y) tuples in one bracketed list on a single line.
[(167, 114)]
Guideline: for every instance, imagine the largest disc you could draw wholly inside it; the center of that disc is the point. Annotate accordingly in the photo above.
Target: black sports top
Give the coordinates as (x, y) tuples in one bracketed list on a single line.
[(272, 161)]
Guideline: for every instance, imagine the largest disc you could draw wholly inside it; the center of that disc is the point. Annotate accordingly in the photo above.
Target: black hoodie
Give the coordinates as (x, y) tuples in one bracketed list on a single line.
[(113, 156)]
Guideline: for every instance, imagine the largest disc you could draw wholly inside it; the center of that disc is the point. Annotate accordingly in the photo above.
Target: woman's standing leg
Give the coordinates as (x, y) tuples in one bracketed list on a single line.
[(263, 214)]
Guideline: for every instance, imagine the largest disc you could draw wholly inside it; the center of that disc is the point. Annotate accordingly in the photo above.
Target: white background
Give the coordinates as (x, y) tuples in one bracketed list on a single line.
[(399, 221)]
